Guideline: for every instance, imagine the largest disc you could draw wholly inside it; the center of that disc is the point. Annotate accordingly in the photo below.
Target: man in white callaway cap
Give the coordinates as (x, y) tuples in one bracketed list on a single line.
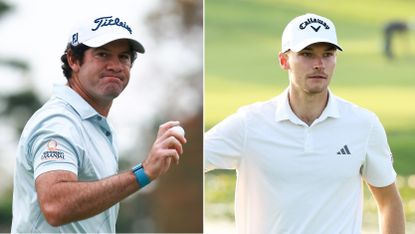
[(66, 177), (301, 156)]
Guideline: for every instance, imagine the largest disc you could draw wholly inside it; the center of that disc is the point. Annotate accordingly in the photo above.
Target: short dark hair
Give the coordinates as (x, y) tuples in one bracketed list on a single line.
[(78, 53)]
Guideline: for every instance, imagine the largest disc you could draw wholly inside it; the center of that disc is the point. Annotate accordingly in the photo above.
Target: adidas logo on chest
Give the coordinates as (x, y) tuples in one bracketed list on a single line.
[(344, 151)]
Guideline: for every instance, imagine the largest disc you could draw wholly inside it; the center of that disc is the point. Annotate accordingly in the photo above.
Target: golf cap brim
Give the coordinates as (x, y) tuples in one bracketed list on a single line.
[(107, 38), (305, 43)]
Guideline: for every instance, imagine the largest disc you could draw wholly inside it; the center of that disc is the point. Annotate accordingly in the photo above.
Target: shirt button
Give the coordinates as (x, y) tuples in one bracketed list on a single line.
[(107, 133), (99, 118)]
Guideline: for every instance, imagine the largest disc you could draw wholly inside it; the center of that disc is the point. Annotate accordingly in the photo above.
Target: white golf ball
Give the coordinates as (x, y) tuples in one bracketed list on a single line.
[(178, 129)]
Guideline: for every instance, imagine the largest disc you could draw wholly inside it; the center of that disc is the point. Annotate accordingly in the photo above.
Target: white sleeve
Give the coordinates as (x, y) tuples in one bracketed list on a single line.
[(378, 167), (224, 143)]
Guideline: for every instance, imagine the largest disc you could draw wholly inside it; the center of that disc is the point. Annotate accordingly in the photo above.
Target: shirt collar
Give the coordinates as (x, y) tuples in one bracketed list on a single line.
[(284, 112), (71, 97)]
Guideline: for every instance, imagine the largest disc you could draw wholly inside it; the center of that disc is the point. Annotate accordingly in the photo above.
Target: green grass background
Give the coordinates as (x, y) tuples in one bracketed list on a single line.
[(242, 40)]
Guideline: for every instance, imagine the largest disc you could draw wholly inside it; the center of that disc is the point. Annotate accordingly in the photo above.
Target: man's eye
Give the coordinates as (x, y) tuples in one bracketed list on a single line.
[(328, 54), (125, 57), (306, 54), (102, 54)]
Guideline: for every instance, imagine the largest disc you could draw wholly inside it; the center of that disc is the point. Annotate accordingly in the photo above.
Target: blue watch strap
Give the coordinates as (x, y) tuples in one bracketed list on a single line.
[(140, 175)]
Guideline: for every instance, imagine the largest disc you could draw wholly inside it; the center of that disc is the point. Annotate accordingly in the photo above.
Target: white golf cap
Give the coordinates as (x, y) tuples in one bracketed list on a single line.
[(308, 29), (98, 31)]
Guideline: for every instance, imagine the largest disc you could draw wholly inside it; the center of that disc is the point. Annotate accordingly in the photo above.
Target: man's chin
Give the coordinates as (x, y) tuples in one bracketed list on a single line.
[(317, 90), (112, 92)]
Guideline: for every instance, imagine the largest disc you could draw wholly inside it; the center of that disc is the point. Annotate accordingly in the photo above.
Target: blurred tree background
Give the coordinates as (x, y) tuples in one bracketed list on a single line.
[(173, 203), (15, 110)]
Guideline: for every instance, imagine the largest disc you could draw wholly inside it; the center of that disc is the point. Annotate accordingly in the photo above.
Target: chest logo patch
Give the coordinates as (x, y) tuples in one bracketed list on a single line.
[(52, 152), (344, 151)]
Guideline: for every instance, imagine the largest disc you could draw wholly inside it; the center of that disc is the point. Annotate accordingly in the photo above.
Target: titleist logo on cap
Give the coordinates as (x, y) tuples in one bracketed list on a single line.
[(109, 21)]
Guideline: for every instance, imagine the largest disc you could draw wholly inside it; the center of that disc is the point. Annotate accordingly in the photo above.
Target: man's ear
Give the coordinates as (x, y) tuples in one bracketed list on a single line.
[(73, 63), (283, 60)]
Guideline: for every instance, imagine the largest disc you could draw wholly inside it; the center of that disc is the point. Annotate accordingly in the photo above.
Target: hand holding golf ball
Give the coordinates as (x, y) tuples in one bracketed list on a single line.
[(178, 129), (166, 149)]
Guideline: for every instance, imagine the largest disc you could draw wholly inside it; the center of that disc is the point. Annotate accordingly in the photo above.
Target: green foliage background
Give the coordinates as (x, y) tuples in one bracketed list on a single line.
[(242, 40)]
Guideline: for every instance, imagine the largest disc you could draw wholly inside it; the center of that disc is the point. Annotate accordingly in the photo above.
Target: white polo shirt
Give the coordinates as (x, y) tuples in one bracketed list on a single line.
[(294, 178), (65, 134)]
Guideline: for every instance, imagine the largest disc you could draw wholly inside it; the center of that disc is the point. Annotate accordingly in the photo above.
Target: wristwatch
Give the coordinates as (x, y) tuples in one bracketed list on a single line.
[(140, 175)]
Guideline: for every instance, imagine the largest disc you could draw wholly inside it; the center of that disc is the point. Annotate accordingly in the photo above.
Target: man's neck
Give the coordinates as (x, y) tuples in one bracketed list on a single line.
[(102, 108), (307, 107)]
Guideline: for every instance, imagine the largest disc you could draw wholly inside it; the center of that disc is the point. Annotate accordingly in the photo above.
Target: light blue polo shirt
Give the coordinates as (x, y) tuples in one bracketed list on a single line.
[(65, 134)]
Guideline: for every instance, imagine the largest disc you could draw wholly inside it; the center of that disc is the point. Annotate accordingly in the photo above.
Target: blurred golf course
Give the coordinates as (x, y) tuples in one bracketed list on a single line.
[(242, 40)]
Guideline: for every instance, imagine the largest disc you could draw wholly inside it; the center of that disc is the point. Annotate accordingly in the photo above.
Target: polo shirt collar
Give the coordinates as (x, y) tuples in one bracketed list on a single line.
[(79, 104), (332, 108), (284, 112)]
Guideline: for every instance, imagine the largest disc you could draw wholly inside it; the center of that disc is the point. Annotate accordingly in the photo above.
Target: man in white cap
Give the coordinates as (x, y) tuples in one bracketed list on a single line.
[(301, 156), (66, 177)]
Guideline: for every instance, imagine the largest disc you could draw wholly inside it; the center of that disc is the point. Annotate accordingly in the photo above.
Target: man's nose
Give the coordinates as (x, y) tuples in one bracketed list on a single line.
[(318, 63), (114, 64)]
